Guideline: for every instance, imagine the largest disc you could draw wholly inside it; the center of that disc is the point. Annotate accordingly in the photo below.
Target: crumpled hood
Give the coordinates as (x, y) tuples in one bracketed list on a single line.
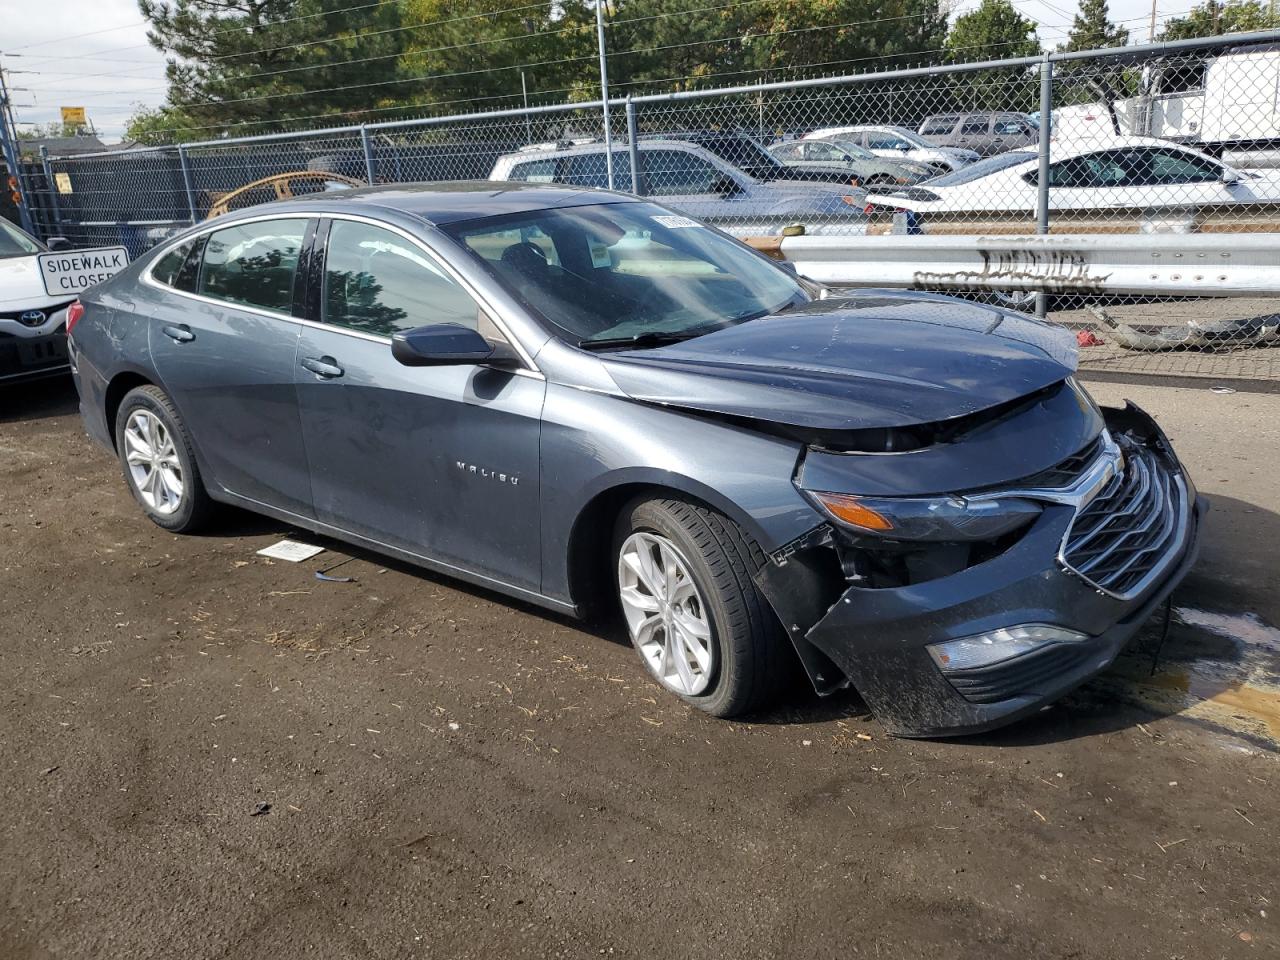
[(875, 359)]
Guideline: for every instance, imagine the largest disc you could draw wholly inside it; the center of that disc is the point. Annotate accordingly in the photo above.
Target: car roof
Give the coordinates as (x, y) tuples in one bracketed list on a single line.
[(448, 202)]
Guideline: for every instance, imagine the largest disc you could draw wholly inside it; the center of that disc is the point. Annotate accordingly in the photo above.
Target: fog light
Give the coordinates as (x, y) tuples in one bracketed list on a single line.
[(998, 645)]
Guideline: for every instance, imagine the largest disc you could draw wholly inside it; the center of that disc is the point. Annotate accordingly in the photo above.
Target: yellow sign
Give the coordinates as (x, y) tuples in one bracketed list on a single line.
[(63, 180), (74, 115)]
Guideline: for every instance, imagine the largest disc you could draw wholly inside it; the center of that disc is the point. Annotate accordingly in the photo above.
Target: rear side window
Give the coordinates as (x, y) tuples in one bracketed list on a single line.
[(590, 170), (974, 125), (1011, 128), (180, 267), (535, 171), (254, 263)]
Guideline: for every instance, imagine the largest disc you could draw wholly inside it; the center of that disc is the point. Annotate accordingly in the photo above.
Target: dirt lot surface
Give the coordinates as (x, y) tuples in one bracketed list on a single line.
[(453, 775)]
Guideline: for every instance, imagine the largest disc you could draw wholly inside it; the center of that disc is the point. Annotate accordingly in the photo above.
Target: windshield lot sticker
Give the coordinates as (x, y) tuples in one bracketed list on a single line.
[(600, 255), (675, 222), (71, 273)]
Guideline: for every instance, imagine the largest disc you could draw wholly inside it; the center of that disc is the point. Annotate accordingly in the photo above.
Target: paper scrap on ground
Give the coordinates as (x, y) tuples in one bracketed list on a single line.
[(290, 550)]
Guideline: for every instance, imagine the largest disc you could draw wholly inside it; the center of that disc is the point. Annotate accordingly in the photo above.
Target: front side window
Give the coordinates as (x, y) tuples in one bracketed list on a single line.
[(1011, 128), (671, 173), (613, 272), (886, 141), (790, 151), (823, 152), (254, 263), (1172, 167), (377, 282)]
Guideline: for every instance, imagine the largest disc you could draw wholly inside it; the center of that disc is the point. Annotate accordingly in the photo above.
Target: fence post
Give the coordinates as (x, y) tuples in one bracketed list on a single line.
[(370, 170), (54, 205), (1042, 185), (186, 182), (633, 148)]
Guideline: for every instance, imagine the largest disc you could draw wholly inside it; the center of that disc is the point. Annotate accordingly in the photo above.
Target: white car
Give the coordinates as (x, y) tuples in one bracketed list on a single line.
[(1125, 174), (33, 339), (869, 169), (694, 181), (899, 143)]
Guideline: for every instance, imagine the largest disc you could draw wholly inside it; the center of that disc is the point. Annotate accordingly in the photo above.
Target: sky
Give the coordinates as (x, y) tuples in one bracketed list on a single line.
[(94, 53)]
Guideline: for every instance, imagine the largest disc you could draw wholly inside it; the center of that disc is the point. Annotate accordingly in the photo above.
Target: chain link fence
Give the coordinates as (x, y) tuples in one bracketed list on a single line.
[(1175, 139)]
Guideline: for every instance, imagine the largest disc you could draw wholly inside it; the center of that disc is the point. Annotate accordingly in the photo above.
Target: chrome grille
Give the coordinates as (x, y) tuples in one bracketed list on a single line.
[(1125, 536)]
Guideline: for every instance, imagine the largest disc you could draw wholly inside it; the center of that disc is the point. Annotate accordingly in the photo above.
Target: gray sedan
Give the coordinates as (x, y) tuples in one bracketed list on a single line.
[(587, 401)]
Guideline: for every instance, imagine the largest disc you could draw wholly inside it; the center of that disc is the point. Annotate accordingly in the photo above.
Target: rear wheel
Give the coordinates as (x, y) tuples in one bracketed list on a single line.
[(158, 462), (684, 580)]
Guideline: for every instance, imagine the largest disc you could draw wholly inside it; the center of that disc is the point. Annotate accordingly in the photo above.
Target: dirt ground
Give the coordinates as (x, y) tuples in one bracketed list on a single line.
[(451, 774)]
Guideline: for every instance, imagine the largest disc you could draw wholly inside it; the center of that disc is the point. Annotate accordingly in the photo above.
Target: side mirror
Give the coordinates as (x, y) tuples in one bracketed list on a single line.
[(725, 186), (446, 344), (1230, 176), (57, 243), (846, 158)]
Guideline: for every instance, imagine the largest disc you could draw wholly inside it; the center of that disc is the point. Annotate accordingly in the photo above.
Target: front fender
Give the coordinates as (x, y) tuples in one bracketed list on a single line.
[(593, 443)]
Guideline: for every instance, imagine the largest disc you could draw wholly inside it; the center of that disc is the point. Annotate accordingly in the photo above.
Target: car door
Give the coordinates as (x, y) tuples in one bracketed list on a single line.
[(1009, 133), (223, 339), (438, 461), (974, 133)]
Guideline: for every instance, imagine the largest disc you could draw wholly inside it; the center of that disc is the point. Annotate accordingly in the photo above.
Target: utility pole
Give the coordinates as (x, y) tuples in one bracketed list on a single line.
[(1151, 34), (604, 92), (9, 149)]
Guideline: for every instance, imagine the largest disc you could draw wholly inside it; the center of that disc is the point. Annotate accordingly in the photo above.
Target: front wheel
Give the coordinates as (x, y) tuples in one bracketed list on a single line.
[(158, 462), (684, 580)]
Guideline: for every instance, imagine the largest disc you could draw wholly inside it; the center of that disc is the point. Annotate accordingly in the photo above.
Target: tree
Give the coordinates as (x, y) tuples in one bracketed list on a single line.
[(157, 126), (995, 31), (54, 128), (254, 66), (1213, 19), (1092, 28)]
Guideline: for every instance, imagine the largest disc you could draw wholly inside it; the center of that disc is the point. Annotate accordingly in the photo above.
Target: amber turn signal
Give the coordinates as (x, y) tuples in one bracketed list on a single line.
[(853, 511)]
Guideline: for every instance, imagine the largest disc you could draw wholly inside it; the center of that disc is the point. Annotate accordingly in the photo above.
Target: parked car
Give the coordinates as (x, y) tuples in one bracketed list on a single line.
[(866, 168), (899, 143), (579, 398), (984, 133), (33, 340), (747, 154), (694, 181), (1127, 174)]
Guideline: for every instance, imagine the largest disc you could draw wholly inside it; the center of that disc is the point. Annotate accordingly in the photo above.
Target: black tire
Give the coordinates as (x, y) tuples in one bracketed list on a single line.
[(751, 664), (195, 507)]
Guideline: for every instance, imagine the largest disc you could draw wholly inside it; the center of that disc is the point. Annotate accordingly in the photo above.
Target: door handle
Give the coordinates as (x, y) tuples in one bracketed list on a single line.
[(326, 368), (179, 332)]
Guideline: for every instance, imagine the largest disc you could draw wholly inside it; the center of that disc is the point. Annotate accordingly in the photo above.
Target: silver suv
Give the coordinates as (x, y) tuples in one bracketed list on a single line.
[(694, 181), (985, 133)]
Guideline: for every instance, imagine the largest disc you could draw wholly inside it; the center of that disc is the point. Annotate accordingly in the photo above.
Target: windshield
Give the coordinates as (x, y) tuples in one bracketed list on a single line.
[(745, 154), (911, 137), (627, 272), (982, 168), (15, 243), (852, 149)]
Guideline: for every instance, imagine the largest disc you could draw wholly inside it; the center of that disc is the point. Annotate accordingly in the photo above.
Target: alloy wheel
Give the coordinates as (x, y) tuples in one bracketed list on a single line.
[(152, 458), (666, 613)]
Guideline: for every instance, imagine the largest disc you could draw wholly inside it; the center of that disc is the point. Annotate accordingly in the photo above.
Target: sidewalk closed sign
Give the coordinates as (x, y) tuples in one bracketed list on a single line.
[(69, 273)]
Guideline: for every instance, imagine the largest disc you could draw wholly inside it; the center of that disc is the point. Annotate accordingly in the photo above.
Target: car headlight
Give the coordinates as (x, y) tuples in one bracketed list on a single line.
[(929, 519), (996, 646)]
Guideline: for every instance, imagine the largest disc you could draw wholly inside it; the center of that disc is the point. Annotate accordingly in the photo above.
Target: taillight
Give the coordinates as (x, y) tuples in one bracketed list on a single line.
[(74, 313)]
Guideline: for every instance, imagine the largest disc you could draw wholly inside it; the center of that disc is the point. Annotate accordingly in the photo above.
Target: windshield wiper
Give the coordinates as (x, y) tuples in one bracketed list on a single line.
[(650, 339)]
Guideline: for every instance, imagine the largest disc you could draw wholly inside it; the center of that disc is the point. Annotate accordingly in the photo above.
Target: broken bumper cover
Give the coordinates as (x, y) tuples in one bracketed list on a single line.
[(877, 639)]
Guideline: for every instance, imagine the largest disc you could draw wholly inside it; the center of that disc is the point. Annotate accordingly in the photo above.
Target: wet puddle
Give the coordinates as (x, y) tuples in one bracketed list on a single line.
[(1222, 668)]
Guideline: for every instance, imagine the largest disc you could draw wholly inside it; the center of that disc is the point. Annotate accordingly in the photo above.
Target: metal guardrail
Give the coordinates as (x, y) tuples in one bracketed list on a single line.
[(1174, 265)]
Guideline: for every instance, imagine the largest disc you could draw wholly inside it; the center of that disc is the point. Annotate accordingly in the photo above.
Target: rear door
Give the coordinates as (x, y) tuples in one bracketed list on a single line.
[(974, 133), (223, 339), (441, 462)]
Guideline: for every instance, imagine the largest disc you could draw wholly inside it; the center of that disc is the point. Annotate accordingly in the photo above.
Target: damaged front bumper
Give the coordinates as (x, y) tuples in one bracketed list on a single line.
[(877, 638)]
